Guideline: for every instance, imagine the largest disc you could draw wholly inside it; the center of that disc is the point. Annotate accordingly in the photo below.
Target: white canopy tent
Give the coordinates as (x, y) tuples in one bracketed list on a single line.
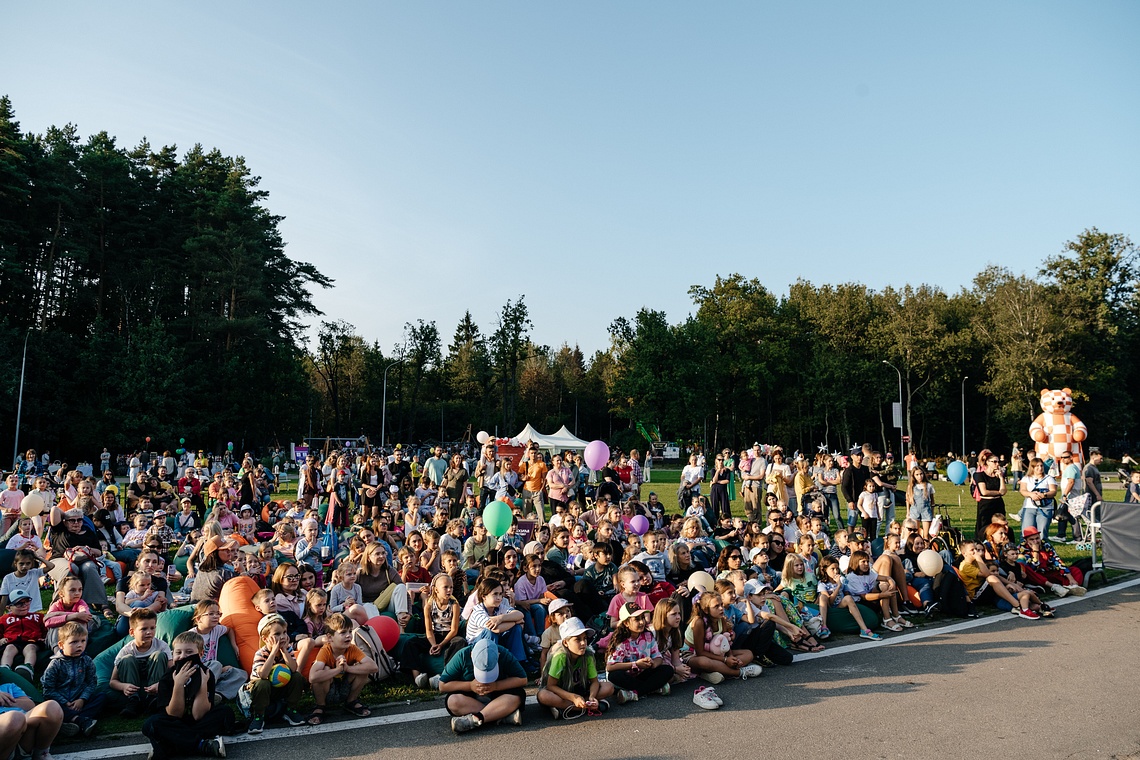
[(560, 441), (569, 441)]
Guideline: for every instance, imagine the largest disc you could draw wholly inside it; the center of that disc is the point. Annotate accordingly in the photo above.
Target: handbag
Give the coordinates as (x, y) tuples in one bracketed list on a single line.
[(79, 555)]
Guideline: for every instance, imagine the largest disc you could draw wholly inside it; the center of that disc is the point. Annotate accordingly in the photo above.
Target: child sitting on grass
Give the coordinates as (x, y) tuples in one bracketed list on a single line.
[(265, 688), (227, 678), (188, 722), (140, 664), (22, 633), (67, 607), (634, 664), (986, 586), (833, 594), (70, 680), (340, 671), (571, 688)]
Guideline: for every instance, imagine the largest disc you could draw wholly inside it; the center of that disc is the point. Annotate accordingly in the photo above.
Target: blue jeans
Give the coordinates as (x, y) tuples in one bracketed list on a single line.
[(831, 504), (925, 589), (1037, 517), (888, 516), (534, 619), (511, 640)]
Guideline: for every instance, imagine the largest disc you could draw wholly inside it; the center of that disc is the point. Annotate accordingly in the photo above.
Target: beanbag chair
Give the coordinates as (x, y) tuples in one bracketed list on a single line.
[(10, 676), (173, 622), (105, 663), (241, 617), (839, 620)]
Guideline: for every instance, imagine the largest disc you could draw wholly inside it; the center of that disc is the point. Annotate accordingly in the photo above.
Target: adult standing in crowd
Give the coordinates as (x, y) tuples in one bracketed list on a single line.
[(398, 469), (309, 482), (532, 470), (435, 467), (455, 481), (559, 481), (853, 480), (484, 472), (989, 487), (752, 471), (718, 489), (690, 487)]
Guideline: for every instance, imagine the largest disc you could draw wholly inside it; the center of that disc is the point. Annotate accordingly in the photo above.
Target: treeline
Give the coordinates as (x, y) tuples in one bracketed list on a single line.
[(157, 300), (154, 293), (815, 366)]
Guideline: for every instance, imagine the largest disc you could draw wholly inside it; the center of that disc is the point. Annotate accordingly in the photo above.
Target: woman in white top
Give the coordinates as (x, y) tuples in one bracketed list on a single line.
[(1039, 489)]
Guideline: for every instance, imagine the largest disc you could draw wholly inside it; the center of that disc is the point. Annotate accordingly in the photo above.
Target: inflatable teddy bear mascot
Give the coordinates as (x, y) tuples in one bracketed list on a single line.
[(1057, 430)]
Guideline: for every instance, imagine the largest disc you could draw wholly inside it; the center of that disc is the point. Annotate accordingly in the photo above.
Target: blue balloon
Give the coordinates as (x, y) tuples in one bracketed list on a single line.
[(957, 473)]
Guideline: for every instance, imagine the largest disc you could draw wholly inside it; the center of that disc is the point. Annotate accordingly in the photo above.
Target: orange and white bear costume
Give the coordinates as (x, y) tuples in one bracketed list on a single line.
[(1057, 430)]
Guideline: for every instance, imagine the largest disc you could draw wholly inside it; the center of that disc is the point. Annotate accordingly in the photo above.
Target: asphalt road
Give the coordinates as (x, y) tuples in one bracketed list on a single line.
[(1066, 688)]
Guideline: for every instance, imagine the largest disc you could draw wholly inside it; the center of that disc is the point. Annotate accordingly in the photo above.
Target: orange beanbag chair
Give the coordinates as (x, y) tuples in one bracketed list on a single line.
[(241, 617)]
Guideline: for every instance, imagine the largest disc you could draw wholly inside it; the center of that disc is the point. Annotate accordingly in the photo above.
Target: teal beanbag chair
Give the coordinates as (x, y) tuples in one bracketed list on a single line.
[(8, 675), (840, 620), (105, 663)]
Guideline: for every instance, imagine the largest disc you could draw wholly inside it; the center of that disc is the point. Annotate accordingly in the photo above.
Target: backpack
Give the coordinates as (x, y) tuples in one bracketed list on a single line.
[(951, 593), (369, 643), (975, 492)]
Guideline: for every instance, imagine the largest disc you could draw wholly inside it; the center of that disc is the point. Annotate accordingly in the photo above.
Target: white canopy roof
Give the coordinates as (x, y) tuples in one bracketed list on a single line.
[(560, 441)]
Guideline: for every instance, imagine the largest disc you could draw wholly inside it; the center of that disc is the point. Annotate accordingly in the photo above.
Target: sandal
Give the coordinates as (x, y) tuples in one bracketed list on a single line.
[(358, 709), (316, 717)]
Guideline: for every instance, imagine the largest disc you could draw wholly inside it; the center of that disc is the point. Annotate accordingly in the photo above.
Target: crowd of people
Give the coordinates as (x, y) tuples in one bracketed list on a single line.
[(379, 565)]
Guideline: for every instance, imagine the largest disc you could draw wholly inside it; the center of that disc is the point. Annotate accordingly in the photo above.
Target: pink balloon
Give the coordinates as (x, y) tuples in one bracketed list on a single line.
[(639, 525), (597, 454)]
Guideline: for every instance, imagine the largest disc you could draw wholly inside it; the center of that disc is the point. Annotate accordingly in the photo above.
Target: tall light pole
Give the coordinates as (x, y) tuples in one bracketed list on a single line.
[(902, 450), (384, 401), (20, 403), (964, 379)]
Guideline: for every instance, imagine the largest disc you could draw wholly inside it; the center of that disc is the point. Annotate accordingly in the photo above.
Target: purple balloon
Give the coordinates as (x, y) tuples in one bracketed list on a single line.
[(597, 454), (639, 525)]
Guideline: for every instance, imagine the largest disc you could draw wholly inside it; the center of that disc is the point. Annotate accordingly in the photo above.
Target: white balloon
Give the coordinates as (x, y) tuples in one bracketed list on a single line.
[(482, 436), (930, 562)]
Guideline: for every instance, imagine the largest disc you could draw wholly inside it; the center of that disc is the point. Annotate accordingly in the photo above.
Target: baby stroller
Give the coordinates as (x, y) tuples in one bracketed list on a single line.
[(1081, 509)]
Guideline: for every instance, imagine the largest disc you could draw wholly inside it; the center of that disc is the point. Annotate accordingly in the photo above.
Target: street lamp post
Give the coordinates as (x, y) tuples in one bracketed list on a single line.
[(964, 379), (384, 401), (20, 403), (902, 449)]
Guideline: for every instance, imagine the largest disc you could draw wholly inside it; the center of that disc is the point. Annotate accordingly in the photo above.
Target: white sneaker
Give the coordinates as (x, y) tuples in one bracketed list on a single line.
[(433, 682), (713, 677), (702, 699), (715, 697), (625, 695), (1058, 589), (1076, 590), (750, 671), (422, 680)]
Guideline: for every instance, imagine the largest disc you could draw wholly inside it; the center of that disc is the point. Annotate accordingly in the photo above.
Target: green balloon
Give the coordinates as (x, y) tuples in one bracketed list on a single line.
[(182, 440), (497, 517)]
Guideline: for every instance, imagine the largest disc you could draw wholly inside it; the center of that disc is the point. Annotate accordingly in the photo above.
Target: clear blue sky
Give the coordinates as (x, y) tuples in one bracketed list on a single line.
[(601, 157)]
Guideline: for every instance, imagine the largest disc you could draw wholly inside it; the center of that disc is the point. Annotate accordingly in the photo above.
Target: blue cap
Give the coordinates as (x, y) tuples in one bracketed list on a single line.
[(485, 660)]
